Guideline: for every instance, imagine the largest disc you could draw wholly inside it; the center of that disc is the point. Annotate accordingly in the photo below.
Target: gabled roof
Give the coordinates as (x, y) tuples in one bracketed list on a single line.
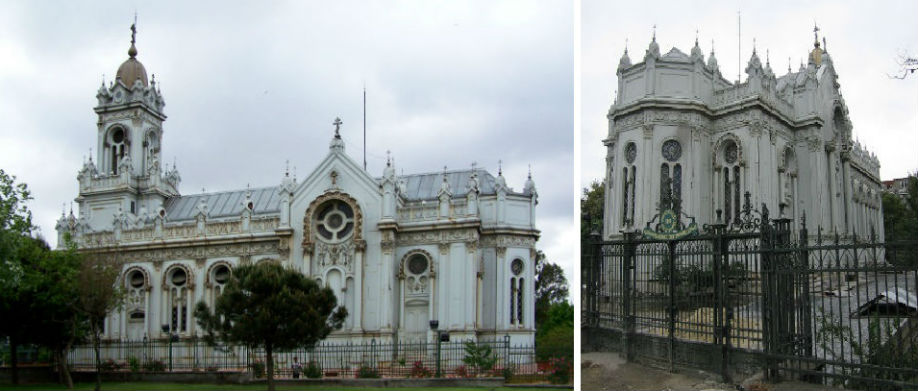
[(676, 55)]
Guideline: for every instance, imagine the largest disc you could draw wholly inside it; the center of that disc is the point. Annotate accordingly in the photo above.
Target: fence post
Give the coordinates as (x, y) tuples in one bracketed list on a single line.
[(671, 257), (721, 295), (629, 251), (803, 270), (769, 295)]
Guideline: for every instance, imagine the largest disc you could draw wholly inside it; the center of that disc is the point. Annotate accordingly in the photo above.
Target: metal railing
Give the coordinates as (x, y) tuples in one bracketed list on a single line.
[(841, 311), (406, 359)]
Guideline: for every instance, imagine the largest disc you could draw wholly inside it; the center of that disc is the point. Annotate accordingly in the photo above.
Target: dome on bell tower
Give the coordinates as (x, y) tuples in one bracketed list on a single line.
[(132, 70)]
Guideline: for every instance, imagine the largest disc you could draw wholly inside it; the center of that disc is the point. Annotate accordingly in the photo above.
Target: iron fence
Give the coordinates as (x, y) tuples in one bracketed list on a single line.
[(832, 309), (404, 359)]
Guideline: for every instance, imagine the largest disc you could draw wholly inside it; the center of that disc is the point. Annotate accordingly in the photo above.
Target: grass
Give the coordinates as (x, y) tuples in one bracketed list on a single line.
[(181, 386)]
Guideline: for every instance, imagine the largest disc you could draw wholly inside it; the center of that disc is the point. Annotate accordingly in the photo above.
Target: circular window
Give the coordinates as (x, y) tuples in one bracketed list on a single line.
[(517, 266), (179, 277), (334, 221), (630, 152), (731, 152), (136, 279), (221, 274), (672, 150), (118, 135), (417, 264)]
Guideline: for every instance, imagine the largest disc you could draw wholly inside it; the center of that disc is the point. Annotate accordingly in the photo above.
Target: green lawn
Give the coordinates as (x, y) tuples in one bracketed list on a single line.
[(178, 386)]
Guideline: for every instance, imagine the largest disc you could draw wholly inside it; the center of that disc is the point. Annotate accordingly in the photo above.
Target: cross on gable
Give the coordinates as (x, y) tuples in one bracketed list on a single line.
[(337, 124)]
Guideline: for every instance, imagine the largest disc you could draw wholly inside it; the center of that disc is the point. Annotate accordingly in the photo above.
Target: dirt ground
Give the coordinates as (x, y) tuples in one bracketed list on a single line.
[(608, 372)]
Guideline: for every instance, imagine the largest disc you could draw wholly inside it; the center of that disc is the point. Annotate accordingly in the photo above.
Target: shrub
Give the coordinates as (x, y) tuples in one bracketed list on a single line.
[(134, 363), (556, 342), (462, 371), (367, 372), (154, 366), (507, 373), (419, 370), (258, 369), (401, 361), (109, 366), (312, 370), (561, 369), (481, 357)]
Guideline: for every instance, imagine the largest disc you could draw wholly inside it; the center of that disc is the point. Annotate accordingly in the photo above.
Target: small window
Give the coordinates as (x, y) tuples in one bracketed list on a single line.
[(517, 266), (221, 274), (179, 277), (417, 264), (136, 279)]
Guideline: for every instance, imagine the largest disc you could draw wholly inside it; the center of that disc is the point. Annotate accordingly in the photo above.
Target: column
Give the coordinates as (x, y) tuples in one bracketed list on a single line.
[(358, 287), (147, 312)]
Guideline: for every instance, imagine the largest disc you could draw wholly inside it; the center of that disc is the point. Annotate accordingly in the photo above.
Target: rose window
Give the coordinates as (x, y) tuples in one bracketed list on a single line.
[(630, 152), (730, 153), (417, 264), (334, 221), (516, 266), (672, 150)]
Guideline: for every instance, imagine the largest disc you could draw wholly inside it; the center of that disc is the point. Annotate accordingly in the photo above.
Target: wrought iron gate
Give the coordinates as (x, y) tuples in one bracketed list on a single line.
[(752, 293)]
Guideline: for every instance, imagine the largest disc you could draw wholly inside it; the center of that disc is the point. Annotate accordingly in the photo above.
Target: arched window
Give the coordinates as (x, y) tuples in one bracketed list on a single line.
[(179, 282), (628, 181), (671, 176), (116, 148), (516, 292), (730, 180)]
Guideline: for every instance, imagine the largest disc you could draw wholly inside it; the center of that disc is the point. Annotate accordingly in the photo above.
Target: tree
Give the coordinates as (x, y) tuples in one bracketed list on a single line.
[(900, 221), (550, 286), (268, 306), (907, 65), (97, 295), (16, 248), (555, 338), (58, 324), (591, 207)]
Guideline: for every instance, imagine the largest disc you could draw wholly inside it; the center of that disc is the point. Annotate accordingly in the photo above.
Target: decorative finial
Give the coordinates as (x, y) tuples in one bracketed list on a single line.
[(444, 169), (287, 168), (654, 32), (788, 65), (626, 46), (388, 158), (767, 60), (337, 124), (133, 50), (824, 46), (696, 37), (815, 34), (529, 175), (500, 170), (753, 45), (474, 164)]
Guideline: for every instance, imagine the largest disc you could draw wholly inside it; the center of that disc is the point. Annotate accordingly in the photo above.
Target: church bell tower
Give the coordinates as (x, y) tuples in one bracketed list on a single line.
[(126, 185)]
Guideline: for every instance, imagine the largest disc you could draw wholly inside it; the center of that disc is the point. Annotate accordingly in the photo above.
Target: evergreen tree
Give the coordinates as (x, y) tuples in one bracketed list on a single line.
[(268, 306)]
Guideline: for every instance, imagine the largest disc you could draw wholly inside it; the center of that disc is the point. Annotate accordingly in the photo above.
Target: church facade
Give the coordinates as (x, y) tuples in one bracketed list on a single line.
[(677, 126), (399, 251)]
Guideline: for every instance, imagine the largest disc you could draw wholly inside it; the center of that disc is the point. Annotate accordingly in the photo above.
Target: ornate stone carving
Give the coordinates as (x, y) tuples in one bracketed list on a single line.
[(444, 247), (501, 251), (407, 257), (189, 275), (209, 277)]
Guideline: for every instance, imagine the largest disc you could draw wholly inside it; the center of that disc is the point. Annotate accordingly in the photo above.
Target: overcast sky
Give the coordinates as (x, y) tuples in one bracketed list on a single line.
[(863, 38), (248, 86)]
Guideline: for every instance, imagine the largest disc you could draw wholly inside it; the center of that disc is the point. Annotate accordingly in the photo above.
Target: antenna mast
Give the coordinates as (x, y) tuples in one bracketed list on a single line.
[(364, 126), (739, 44)]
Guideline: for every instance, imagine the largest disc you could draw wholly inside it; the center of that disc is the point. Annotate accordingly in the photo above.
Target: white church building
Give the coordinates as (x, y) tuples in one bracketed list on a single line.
[(399, 251), (677, 124)]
